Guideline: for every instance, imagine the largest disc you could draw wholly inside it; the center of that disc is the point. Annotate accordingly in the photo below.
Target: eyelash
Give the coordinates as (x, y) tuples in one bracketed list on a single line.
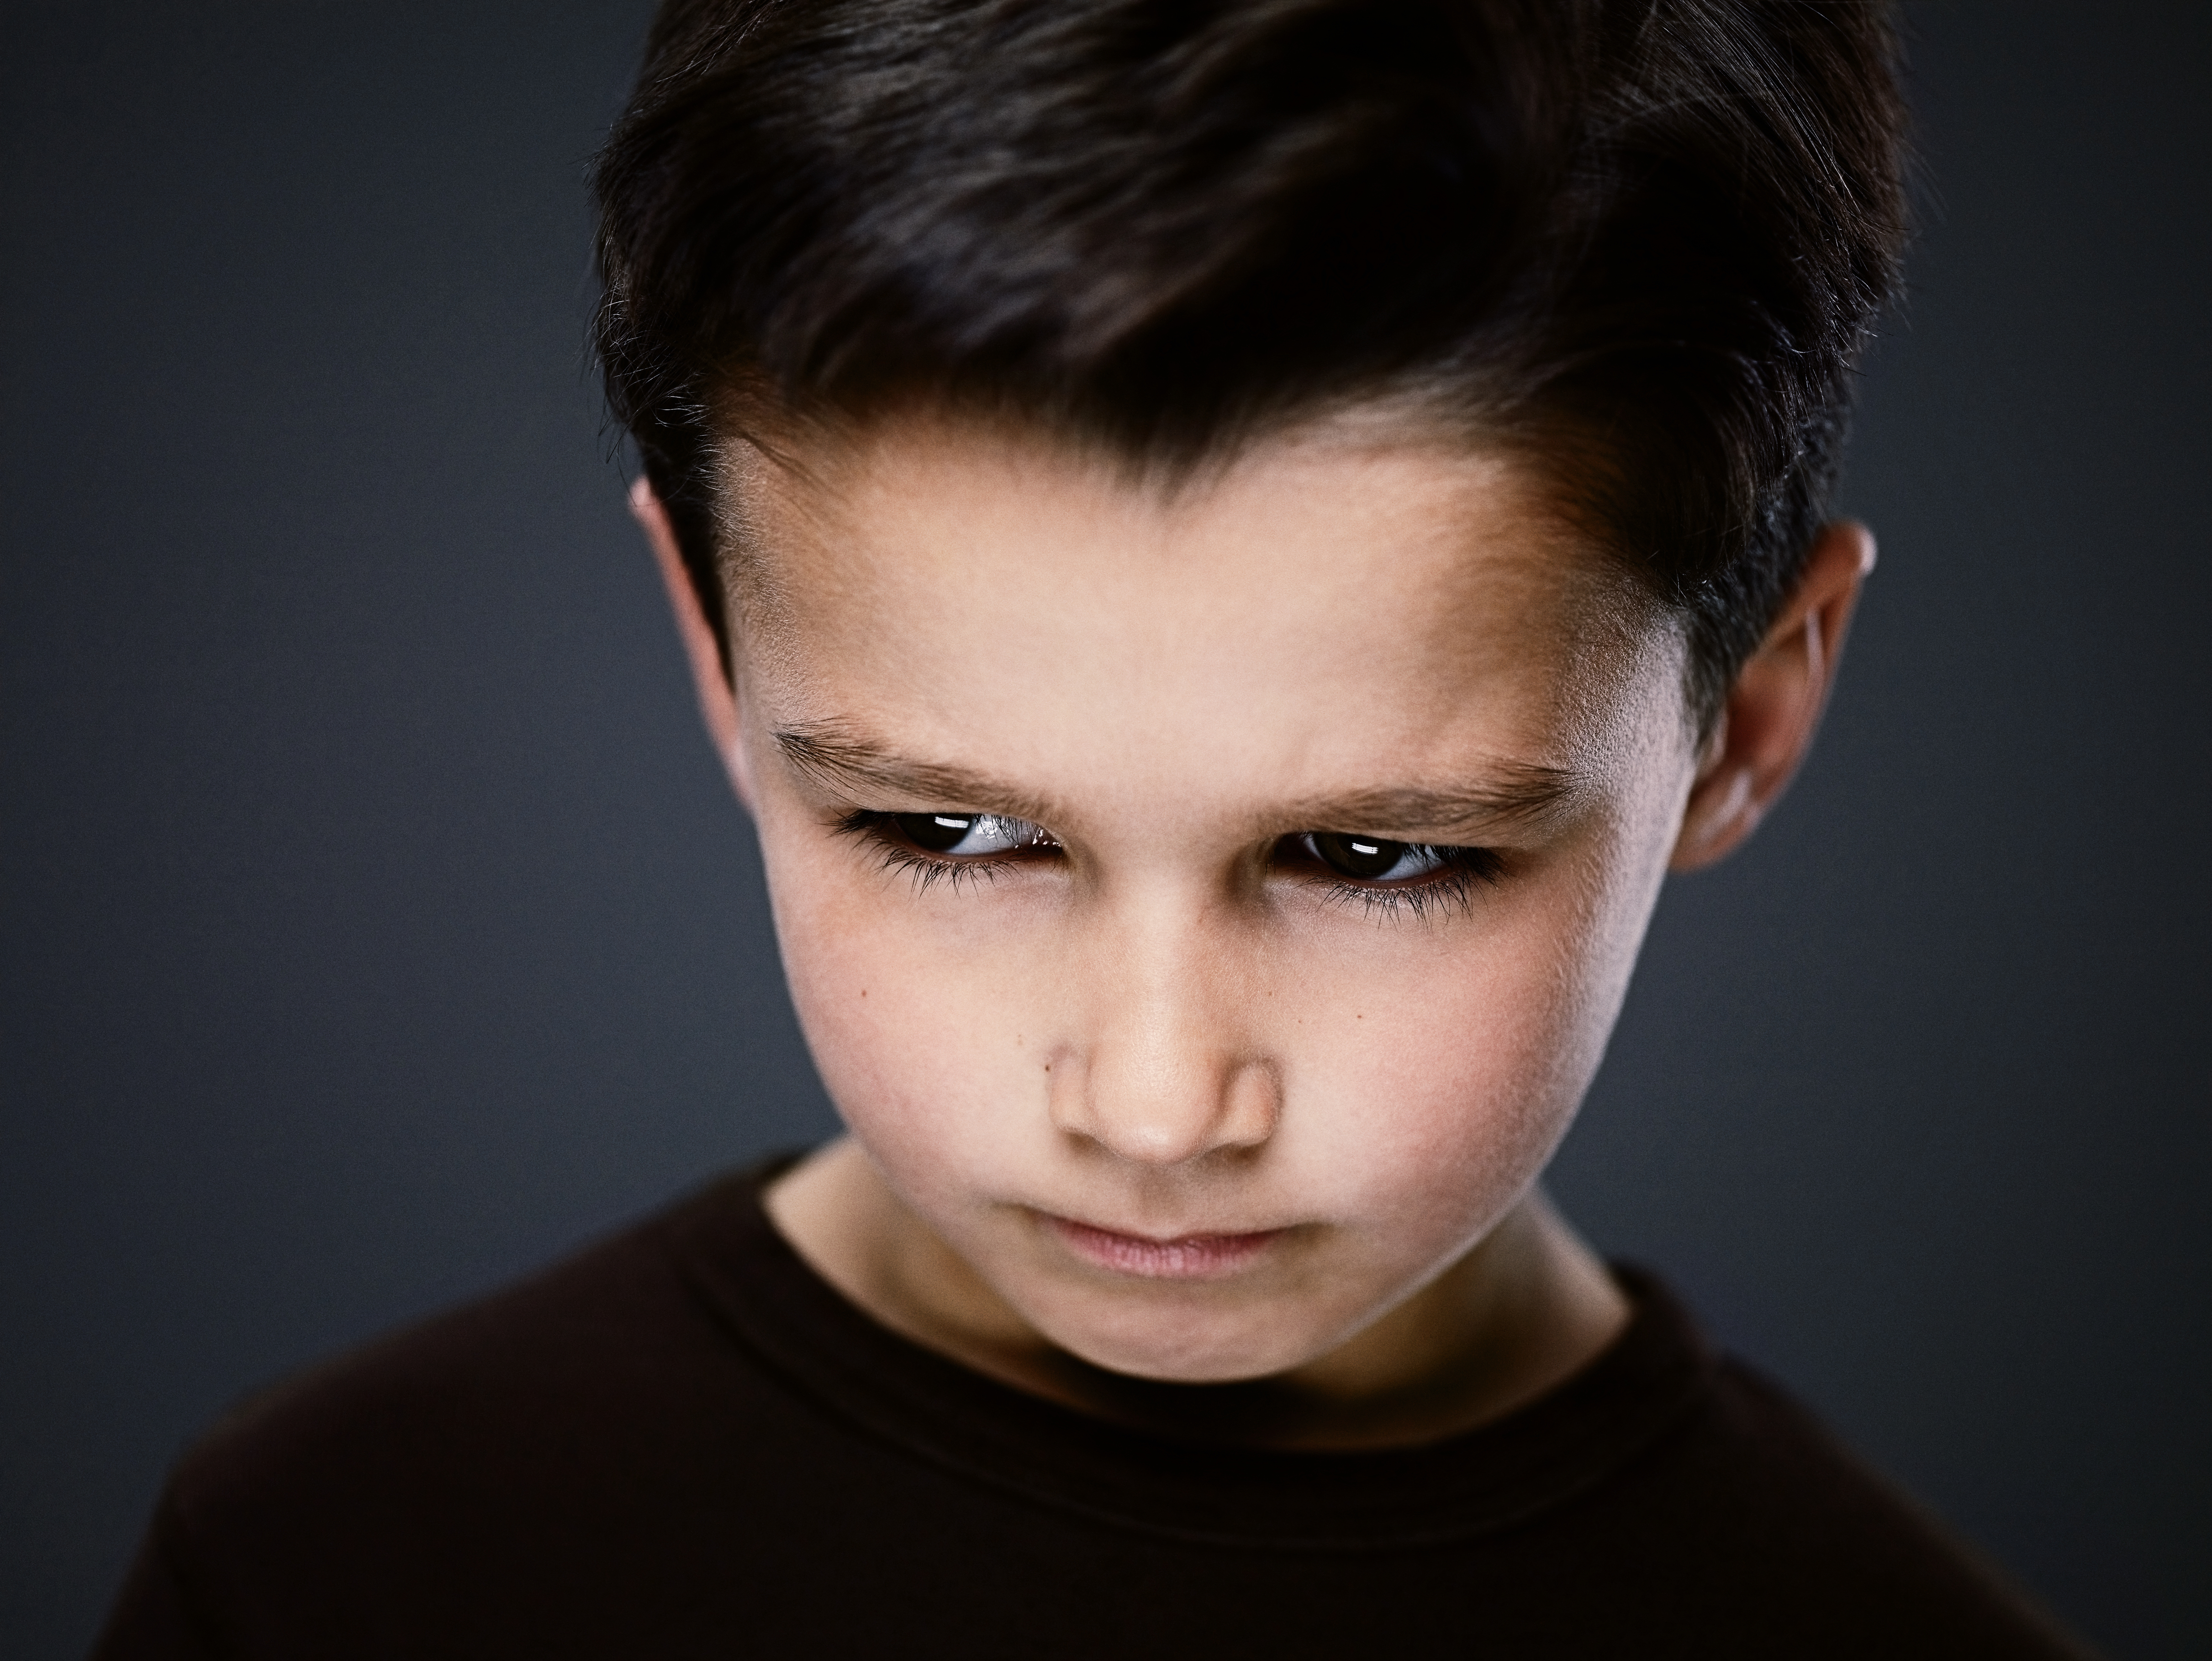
[(1453, 887), (926, 870)]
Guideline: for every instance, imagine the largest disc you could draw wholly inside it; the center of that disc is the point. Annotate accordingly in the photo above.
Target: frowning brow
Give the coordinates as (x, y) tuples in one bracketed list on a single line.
[(1510, 795), (839, 759)]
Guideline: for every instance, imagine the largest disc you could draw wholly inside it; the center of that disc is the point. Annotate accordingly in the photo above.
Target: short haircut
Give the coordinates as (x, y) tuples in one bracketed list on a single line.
[(1638, 243)]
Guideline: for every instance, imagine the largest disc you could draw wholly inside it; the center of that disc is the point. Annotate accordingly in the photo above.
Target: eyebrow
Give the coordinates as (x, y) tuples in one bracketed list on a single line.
[(1516, 794), (839, 759)]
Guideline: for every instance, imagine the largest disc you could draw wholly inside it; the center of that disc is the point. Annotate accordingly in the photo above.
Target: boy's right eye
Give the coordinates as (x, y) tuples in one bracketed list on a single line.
[(969, 835)]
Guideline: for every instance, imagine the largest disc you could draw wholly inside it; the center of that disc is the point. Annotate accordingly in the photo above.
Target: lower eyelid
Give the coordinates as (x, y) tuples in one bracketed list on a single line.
[(1462, 868)]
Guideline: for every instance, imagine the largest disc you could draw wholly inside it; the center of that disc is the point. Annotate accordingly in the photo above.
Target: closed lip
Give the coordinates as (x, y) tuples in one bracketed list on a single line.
[(1179, 1257)]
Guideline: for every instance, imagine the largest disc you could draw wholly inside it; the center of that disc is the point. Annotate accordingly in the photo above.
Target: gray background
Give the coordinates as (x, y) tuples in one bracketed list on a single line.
[(375, 922)]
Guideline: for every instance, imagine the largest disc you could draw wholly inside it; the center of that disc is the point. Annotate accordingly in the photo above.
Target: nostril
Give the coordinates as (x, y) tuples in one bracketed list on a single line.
[(1254, 1105)]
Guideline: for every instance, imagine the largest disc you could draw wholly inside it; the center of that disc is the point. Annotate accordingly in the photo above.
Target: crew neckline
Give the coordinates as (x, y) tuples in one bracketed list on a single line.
[(750, 1282)]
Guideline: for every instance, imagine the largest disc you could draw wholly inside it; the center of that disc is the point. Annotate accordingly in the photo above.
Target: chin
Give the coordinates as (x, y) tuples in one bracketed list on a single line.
[(1186, 1346)]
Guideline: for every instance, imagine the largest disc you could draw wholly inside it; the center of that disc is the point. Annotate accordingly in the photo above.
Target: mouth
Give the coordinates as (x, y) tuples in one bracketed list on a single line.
[(1184, 1257)]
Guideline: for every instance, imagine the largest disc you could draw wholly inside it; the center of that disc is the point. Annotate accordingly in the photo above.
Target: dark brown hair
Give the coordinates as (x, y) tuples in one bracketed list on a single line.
[(1639, 242)]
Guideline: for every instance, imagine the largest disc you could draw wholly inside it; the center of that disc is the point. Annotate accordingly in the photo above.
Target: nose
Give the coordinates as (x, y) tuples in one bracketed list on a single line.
[(1163, 1070)]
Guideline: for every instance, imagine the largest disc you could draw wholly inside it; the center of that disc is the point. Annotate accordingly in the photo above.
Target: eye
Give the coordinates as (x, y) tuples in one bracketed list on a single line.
[(968, 836), (1374, 859)]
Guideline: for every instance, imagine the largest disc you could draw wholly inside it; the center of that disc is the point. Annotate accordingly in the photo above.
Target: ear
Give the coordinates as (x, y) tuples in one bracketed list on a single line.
[(718, 698), (1772, 709)]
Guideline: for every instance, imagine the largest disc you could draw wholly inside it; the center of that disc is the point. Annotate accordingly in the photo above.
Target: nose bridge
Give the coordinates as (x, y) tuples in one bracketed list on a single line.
[(1167, 1068)]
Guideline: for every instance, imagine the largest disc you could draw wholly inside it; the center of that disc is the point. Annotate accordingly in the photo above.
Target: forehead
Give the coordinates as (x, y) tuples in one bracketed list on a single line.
[(1319, 602)]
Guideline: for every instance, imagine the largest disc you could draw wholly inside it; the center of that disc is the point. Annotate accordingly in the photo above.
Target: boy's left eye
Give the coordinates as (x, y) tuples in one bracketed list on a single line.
[(1374, 859), (969, 835)]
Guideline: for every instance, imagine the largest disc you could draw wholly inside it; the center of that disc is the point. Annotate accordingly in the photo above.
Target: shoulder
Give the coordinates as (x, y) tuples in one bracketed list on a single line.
[(504, 1373), (470, 1464), (1754, 1506)]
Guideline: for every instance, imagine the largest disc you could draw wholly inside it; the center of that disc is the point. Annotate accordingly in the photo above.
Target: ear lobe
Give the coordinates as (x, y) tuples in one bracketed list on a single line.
[(1774, 707), (718, 700)]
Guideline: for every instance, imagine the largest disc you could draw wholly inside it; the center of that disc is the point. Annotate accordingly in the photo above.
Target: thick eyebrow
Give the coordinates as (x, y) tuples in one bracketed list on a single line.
[(839, 759), (1512, 796), (1515, 795)]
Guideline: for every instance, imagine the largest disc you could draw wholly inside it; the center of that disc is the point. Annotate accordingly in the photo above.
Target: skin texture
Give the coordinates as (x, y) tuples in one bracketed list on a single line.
[(1167, 1097)]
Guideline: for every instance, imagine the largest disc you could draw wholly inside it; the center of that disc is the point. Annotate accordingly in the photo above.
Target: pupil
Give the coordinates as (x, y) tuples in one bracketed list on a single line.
[(1357, 856), (933, 832)]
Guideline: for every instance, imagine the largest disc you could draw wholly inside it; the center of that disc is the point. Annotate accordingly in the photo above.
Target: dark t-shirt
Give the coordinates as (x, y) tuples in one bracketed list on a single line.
[(684, 1443)]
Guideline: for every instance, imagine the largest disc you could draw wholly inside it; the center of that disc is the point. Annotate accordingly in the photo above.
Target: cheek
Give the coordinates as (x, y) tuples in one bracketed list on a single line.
[(1441, 1103), (1451, 1074), (913, 1016)]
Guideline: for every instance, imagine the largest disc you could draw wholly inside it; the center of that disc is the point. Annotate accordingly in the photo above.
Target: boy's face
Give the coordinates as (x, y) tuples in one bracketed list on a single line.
[(1238, 1046)]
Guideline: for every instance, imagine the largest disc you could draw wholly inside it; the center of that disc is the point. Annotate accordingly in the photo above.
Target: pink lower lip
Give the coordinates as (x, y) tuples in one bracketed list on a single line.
[(1185, 1257)]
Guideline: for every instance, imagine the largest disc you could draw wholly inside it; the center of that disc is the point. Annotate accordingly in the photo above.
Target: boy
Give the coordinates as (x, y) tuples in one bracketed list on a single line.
[(1226, 549)]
